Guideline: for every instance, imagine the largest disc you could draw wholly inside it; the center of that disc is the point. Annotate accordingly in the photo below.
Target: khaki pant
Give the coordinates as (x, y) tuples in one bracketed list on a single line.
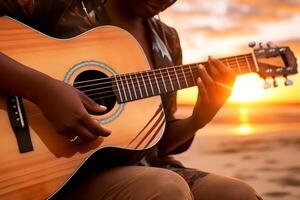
[(143, 183)]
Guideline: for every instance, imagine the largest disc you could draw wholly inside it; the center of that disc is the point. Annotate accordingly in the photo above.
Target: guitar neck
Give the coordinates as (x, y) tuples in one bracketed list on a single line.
[(139, 85)]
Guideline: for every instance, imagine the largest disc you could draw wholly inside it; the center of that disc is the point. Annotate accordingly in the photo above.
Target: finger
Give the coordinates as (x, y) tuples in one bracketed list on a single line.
[(69, 134), (205, 77), (94, 127), (83, 133), (91, 105), (227, 75), (221, 67), (202, 92), (214, 72)]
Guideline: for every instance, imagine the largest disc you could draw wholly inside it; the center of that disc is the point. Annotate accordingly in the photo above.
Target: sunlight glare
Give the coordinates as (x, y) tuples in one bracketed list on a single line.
[(244, 129), (247, 89)]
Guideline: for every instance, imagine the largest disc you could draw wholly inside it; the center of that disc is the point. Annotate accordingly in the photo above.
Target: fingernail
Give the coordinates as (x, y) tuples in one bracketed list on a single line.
[(102, 107), (108, 132), (201, 66)]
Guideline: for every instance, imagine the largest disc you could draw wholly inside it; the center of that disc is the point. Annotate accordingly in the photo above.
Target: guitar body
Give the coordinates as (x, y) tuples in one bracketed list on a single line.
[(135, 125)]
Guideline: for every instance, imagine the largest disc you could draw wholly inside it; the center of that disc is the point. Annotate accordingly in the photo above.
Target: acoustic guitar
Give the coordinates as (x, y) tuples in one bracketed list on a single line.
[(109, 66)]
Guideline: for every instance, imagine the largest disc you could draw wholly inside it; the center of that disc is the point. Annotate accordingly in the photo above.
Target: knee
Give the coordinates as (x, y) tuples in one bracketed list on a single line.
[(169, 185), (238, 190), (220, 187)]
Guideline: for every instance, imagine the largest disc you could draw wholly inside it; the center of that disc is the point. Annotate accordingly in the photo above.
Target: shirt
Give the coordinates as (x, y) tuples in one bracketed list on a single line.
[(68, 18)]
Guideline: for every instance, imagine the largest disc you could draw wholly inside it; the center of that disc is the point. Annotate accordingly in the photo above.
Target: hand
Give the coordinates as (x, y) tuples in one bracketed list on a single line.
[(66, 108), (214, 87)]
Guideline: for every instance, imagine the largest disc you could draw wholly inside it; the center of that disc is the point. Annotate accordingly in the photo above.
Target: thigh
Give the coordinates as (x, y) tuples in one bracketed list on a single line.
[(215, 187), (132, 182)]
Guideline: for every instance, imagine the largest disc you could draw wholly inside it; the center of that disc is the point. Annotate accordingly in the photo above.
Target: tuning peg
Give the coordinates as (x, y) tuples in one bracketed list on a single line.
[(267, 85), (260, 45), (252, 44), (288, 82), (270, 44), (275, 84)]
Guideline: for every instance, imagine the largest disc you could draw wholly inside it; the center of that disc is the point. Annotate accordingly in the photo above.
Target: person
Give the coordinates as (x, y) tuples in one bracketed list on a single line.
[(158, 175)]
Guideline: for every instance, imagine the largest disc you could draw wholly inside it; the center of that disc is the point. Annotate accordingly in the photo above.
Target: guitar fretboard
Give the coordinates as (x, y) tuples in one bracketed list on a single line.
[(143, 84)]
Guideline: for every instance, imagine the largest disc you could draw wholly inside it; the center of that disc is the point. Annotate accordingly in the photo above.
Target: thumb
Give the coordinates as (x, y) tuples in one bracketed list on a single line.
[(90, 105)]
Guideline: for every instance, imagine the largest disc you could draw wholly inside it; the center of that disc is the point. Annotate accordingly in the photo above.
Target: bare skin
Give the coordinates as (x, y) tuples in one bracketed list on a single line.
[(211, 96), (70, 116)]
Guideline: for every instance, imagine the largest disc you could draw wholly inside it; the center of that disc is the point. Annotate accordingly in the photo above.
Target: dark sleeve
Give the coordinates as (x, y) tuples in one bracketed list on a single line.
[(169, 101), (41, 15), (170, 37), (17, 8), (2, 10)]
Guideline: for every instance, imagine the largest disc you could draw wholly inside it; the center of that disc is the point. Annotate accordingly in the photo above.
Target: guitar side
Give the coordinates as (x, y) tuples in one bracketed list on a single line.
[(135, 125)]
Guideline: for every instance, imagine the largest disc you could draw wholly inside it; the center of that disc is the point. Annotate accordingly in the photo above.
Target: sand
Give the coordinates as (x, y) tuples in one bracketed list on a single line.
[(267, 157)]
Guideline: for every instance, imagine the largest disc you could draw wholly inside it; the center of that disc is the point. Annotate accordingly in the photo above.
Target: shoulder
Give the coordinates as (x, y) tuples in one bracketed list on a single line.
[(171, 39), (163, 28), (41, 15), (29, 7)]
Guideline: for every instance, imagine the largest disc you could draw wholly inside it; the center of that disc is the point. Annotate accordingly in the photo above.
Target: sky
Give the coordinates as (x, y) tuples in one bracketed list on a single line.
[(225, 27)]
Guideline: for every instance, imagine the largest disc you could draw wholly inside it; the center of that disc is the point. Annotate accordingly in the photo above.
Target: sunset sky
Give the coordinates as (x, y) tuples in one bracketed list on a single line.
[(225, 27)]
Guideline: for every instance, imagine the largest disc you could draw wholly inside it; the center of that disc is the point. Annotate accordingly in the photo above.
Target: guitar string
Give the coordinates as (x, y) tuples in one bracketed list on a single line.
[(165, 73), (38, 113), (148, 82), (230, 62), (190, 65), (111, 94), (243, 59), (157, 85), (146, 85), (139, 79), (172, 74)]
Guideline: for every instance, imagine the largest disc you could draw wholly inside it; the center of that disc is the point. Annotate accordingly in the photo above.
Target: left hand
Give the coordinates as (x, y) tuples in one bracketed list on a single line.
[(214, 87)]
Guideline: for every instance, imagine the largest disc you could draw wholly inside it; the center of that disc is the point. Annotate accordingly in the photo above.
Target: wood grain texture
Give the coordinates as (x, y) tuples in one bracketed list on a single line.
[(39, 173)]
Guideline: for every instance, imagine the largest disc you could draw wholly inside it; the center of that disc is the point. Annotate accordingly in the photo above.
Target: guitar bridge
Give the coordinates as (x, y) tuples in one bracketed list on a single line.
[(18, 122)]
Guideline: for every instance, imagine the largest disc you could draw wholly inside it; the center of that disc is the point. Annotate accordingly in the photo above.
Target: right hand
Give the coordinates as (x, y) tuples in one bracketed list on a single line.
[(66, 108)]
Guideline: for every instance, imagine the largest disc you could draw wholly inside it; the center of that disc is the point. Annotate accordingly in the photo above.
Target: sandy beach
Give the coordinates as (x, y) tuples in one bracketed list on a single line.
[(258, 144)]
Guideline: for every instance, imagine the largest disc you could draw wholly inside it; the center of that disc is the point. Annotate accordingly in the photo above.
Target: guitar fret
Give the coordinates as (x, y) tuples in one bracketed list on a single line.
[(170, 79), (123, 88), (121, 97), (138, 82), (156, 82), (150, 83), (238, 65), (184, 77), (163, 80), (129, 91), (192, 74), (255, 62), (133, 86), (227, 62), (233, 65), (179, 86), (145, 86)]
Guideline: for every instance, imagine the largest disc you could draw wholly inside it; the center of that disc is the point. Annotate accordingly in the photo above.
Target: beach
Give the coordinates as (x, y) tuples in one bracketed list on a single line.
[(256, 143)]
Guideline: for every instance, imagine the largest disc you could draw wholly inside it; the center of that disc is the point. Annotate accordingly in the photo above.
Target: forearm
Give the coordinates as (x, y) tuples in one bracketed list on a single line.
[(176, 134), (17, 79)]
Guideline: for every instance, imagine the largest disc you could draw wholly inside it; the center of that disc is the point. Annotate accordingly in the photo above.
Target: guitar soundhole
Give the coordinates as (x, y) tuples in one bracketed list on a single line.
[(97, 86)]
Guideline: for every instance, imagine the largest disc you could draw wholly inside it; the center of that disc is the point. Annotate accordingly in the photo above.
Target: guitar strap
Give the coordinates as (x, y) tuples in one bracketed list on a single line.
[(18, 122)]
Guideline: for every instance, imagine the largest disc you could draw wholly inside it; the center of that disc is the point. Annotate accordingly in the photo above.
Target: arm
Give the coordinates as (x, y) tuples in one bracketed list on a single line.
[(69, 116), (211, 97), (16, 78)]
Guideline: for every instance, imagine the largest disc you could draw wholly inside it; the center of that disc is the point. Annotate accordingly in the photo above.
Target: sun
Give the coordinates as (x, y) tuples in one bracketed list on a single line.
[(248, 89)]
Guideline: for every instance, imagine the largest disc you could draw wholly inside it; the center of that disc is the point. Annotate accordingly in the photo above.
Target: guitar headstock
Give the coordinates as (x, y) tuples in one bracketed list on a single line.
[(273, 61)]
